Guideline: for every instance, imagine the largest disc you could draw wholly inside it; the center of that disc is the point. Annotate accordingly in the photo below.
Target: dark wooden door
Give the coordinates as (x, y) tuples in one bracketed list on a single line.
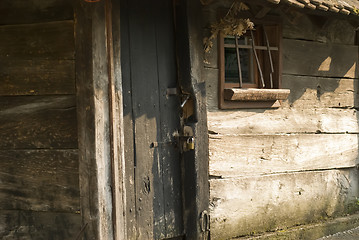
[(151, 119)]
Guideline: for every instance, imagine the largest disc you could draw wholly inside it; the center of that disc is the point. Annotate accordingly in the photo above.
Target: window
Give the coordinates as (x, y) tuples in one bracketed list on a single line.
[(250, 69)]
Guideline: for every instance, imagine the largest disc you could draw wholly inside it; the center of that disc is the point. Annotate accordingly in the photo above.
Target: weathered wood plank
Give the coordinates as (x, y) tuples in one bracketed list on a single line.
[(327, 60), (211, 75), (37, 77), (38, 122), (146, 115), (39, 225), (131, 223), (118, 175), (92, 84), (190, 67), (284, 120), (298, 25), (319, 92), (242, 155), (34, 11), (52, 40), (239, 94), (169, 120), (39, 180), (242, 206)]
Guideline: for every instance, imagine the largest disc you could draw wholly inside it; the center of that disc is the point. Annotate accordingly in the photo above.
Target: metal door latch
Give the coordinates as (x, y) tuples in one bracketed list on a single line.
[(185, 140)]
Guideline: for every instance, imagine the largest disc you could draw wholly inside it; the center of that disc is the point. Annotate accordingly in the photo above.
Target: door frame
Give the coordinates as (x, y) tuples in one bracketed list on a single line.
[(100, 119)]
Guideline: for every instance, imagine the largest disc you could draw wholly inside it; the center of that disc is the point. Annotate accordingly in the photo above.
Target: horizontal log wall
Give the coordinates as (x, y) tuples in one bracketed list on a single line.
[(271, 169), (39, 192)]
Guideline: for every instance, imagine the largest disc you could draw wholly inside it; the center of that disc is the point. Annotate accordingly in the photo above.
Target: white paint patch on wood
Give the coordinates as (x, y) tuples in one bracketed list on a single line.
[(232, 156), (283, 121), (320, 92), (296, 58), (240, 206)]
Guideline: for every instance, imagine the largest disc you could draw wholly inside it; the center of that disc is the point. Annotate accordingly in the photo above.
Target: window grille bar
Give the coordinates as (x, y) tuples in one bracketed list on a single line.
[(239, 63), (270, 59), (257, 60)]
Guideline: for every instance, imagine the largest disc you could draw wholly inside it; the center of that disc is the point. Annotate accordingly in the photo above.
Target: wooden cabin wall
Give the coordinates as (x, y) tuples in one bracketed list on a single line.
[(271, 169), (39, 190)]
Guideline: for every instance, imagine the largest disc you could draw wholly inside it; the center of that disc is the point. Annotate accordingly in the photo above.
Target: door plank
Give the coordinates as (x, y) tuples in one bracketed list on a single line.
[(144, 78), (128, 123), (169, 119)]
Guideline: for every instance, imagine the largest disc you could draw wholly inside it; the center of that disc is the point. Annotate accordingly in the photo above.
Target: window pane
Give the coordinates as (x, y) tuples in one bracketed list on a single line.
[(241, 40), (231, 66)]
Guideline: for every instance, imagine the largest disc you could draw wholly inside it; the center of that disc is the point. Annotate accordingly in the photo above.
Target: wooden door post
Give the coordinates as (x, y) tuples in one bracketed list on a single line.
[(195, 164), (99, 101)]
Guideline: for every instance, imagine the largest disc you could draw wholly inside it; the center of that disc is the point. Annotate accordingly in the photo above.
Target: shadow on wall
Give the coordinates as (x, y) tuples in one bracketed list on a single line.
[(320, 61)]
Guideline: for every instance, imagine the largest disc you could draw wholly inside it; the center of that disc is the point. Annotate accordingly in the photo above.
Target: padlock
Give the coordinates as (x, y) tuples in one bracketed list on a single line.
[(190, 143)]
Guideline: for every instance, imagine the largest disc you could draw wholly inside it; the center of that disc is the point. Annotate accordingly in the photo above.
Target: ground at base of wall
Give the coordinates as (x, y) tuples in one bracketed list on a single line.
[(352, 234), (311, 231)]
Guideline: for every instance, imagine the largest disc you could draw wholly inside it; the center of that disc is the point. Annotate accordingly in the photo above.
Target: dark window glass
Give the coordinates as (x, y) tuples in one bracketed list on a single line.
[(231, 66)]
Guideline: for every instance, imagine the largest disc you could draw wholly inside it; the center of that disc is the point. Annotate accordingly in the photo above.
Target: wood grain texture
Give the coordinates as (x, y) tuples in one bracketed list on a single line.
[(169, 121), (284, 120), (145, 109), (239, 94), (38, 122), (34, 11), (240, 206), (129, 125), (327, 60), (190, 67), (39, 180), (232, 156), (37, 77), (317, 28), (39, 225), (52, 40), (92, 84), (148, 47), (321, 92)]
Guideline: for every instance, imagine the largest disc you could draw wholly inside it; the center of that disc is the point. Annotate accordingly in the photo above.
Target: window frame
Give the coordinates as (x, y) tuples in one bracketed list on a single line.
[(272, 96)]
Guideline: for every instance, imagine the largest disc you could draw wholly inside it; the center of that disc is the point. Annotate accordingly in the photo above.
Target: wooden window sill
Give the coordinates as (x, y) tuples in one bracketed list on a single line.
[(255, 95)]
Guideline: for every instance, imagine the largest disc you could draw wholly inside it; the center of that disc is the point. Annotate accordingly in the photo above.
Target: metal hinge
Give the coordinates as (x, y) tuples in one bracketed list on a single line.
[(204, 222)]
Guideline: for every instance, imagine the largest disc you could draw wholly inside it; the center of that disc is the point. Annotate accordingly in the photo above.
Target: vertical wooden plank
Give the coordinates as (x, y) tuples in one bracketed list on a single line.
[(93, 118), (128, 131), (145, 105), (116, 119), (195, 163), (169, 119)]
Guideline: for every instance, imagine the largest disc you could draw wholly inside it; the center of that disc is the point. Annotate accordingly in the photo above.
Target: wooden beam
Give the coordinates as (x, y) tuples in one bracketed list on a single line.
[(255, 204), (98, 98), (19, 224), (263, 154), (194, 163), (292, 120), (116, 117), (238, 94), (51, 40), (34, 11)]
